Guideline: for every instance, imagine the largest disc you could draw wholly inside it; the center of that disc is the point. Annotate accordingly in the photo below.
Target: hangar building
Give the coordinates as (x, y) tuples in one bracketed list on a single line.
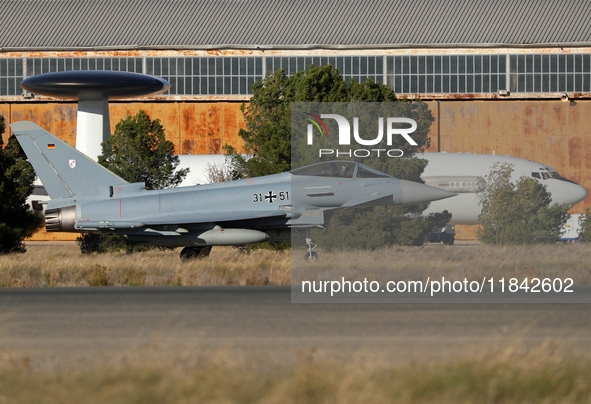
[(504, 76)]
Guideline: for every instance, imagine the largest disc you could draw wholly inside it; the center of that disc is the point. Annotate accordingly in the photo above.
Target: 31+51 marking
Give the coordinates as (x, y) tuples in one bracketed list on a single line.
[(271, 196)]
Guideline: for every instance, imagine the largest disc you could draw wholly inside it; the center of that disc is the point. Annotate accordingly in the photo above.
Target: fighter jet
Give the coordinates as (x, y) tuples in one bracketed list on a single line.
[(88, 198)]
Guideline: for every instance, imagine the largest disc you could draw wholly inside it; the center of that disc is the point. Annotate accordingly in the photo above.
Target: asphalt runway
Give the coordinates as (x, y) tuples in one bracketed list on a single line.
[(89, 325)]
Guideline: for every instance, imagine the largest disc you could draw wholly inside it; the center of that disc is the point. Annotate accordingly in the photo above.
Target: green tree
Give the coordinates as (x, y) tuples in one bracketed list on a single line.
[(370, 228), (518, 213), (268, 142), (585, 223), (138, 152), (267, 135), (17, 222)]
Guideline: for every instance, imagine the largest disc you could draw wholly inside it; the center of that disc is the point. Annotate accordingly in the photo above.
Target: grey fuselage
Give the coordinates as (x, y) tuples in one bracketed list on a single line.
[(237, 212)]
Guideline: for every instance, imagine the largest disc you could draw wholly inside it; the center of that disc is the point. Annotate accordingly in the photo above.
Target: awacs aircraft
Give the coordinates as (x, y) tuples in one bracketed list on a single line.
[(464, 174), (86, 197)]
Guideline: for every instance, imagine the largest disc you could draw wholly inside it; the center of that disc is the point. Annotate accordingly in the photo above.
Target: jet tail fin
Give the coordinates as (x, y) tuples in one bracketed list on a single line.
[(63, 170)]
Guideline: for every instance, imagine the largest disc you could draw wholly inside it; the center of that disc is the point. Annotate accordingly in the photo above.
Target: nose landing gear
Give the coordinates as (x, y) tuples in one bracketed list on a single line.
[(310, 255)]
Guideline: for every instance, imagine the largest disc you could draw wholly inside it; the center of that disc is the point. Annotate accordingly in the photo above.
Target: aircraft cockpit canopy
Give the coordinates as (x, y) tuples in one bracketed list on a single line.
[(340, 169), (368, 172), (547, 173)]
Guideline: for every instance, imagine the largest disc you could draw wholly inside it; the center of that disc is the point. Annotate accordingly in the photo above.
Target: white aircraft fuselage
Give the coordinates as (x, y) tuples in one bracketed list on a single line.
[(464, 174)]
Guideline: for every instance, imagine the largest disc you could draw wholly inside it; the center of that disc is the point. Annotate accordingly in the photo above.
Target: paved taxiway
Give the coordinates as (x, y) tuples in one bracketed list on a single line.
[(260, 323)]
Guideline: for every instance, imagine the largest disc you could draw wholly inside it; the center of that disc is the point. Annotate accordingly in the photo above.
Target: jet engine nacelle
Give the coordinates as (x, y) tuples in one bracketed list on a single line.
[(61, 219)]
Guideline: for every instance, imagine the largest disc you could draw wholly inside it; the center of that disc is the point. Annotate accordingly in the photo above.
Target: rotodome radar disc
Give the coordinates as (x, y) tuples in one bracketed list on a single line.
[(95, 85)]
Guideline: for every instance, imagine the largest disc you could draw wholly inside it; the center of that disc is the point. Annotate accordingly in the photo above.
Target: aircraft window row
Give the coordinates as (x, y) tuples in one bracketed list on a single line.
[(463, 184)]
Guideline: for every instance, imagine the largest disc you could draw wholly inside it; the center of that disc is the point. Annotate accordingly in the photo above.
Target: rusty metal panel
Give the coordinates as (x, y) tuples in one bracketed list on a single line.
[(468, 125), (579, 165), (552, 122), (579, 118), (57, 118), (168, 113), (530, 131), (233, 121), (202, 129), (458, 126), (500, 129), (206, 127)]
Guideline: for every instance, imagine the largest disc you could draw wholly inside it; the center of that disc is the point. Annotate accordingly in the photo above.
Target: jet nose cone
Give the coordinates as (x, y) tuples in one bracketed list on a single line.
[(567, 192), (574, 194), (580, 194), (414, 193)]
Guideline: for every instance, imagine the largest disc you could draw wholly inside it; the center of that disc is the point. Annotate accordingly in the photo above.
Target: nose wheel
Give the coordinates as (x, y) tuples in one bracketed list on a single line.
[(310, 255)]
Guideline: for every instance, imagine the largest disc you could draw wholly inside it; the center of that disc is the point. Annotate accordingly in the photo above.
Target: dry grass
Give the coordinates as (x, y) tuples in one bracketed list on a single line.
[(497, 376), (452, 262), (63, 265)]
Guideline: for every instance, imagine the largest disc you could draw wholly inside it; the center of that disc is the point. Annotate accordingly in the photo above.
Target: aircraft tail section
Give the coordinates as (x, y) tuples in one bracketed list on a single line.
[(63, 170)]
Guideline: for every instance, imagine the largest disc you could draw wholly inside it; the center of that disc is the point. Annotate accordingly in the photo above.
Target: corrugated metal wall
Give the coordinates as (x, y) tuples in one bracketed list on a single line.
[(552, 132), (259, 23)]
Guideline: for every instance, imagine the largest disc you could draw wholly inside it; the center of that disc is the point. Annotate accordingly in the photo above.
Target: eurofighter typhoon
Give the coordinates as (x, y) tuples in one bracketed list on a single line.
[(88, 198)]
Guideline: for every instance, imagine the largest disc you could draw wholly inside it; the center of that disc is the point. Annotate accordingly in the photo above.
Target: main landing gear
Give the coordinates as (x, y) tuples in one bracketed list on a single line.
[(188, 253)]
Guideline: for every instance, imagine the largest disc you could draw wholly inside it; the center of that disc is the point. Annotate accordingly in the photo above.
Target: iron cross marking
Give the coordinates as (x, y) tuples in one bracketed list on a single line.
[(270, 196)]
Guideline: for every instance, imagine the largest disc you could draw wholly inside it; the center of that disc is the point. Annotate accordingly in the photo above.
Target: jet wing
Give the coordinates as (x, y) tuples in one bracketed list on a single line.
[(217, 217)]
